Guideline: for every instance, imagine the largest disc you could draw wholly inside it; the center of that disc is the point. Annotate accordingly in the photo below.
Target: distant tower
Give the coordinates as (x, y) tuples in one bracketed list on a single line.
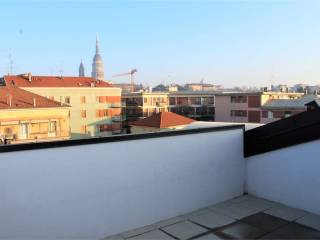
[(81, 70), (97, 65)]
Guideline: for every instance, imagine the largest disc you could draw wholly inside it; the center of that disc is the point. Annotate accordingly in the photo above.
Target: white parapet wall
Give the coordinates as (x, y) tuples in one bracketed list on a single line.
[(91, 191), (290, 176)]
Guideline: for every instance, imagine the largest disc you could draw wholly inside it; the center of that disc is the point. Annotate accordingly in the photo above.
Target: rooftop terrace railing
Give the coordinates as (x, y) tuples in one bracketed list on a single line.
[(87, 189)]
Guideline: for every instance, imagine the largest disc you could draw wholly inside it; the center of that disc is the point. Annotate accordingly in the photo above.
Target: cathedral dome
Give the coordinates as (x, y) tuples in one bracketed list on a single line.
[(97, 58)]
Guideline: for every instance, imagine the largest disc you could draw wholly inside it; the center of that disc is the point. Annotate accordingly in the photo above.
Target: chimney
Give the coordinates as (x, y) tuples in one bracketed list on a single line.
[(29, 77), (34, 102)]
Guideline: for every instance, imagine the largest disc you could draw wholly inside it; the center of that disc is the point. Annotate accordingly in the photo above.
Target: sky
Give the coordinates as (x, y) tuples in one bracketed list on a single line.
[(230, 43)]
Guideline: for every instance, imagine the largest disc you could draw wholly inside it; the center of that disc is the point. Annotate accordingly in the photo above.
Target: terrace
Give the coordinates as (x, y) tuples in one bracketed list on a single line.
[(205, 183)]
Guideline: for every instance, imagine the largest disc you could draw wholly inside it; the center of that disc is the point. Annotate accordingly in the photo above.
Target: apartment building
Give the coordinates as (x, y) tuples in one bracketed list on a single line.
[(144, 104), (28, 117), (198, 105), (247, 107), (95, 105)]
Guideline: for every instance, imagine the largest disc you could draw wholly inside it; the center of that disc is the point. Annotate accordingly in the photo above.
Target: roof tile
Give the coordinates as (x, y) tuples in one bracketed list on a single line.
[(163, 120)]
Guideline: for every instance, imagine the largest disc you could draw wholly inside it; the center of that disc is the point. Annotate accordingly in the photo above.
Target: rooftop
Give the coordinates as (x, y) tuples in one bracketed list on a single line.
[(163, 120), (187, 184), (289, 103), (27, 80), (243, 217), (17, 98)]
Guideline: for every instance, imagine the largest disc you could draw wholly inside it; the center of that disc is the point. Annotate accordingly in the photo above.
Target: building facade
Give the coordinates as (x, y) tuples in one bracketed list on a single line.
[(138, 105), (198, 105), (27, 117), (282, 108), (95, 105), (246, 107)]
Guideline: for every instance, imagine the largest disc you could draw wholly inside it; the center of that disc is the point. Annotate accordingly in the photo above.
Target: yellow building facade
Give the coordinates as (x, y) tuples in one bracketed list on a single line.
[(94, 112), (35, 125)]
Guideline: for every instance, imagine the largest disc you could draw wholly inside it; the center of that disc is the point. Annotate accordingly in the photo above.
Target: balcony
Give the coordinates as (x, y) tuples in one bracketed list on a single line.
[(162, 185), (116, 119), (115, 105)]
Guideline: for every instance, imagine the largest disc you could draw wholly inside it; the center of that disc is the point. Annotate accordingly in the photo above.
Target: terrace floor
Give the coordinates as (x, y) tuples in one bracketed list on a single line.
[(244, 217)]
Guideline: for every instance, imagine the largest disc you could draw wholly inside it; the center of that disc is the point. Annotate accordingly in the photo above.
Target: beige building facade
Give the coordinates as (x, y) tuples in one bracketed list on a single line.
[(246, 107), (27, 117)]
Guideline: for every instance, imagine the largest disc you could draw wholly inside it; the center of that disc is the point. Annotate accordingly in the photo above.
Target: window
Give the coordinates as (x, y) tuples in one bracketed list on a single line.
[(238, 113), (101, 99), (145, 100), (172, 101), (102, 113), (83, 99), (182, 101), (83, 113), (104, 127), (83, 129), (238, 99), (195, 100), (270, 114), (67, 100), (53, 126)]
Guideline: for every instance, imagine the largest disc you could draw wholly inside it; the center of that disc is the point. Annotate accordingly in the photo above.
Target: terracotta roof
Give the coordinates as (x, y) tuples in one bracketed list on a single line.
[(163, 120), (53, 81), (16, 98)]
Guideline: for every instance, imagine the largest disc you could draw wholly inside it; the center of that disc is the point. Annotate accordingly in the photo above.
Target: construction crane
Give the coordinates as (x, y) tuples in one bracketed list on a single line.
[(131, 74)]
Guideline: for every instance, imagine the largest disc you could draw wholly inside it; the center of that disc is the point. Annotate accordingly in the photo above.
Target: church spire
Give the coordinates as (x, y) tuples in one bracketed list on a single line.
[(97, 64), (81, 69)]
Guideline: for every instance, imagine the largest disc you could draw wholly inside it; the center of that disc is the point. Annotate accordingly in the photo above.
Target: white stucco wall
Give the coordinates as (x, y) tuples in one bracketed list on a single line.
[(91, 191), (290, 176)]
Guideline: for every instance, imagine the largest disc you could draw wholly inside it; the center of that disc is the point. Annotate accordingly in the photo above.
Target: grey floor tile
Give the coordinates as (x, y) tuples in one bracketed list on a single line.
[(113, 237), (168, 222), (234, 210), (265, 221), (310, 220), (240, 230), (184, 230), (195, 213), (256, 204), (210, 236), (212, 220), (287, 213), (297, 231), (271, 236), (154, 235), (137, 231), (241, 198), (220, 205)]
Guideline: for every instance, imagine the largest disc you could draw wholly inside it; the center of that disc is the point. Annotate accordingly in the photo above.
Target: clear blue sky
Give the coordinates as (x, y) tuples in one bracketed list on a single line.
[(231, 43)]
